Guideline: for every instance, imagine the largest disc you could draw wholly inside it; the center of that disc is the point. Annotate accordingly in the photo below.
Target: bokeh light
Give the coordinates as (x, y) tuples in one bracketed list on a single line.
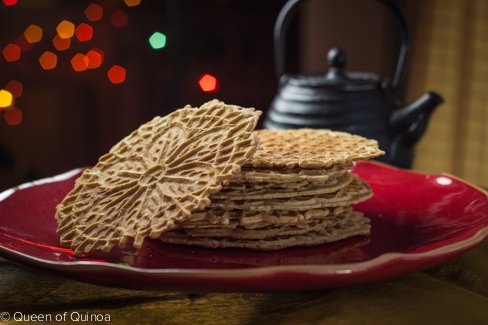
[(9, 3), (6, 109), (119, 18), (22, 42), (15, 88), (116, 74), (84, 32), (79, 62), (11, 52), (61, 44), (48, 60), (65, 29), (6, 98), (13, 117), (95, 58), (132, 3), (208, 83), (94, 12), (157, 40), (33, 34)]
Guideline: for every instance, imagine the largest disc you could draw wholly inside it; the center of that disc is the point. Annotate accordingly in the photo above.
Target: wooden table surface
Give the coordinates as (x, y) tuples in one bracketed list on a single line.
[(455, 292)]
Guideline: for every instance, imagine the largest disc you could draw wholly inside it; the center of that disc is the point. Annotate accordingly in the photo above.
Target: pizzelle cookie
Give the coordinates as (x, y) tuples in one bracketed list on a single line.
[(211, 218), (277, 176), (178, 178), (353, 193), (271, 230), (356, 224), (311, 149), (295, 191), (331, 185), (157, 176)]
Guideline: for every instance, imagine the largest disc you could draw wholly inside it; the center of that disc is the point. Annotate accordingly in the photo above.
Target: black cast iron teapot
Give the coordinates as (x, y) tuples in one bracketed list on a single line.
[(356, 102)]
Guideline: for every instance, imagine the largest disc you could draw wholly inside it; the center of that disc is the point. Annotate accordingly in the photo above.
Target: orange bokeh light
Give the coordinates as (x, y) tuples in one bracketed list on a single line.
[(84, 32), (48, 60), (132, 3), (22, 42), (94, 12), (119, 18), (79, 62), (65, 29), (116, 74), (13, 116), (208, 83), (11, 52), (33, 34), (15, 87), (61, 44), (6, 99), (95, 58)]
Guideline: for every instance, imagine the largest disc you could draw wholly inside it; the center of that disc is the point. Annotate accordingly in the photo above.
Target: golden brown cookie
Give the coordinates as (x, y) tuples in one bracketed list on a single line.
[(353, 225), (353, 193), (157, 176), (331, 185), (311, 149)]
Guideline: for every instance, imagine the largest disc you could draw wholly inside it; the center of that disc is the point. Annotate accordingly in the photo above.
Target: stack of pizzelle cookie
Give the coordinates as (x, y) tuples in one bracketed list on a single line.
[(202, 176), (295, 191)]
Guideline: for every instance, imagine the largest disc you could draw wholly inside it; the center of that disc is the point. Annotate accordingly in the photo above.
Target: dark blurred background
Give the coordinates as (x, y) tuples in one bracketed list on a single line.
[(70, 118)]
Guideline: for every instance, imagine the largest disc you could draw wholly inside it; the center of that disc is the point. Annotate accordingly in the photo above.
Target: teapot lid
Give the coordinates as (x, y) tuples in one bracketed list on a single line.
[(336, 78)]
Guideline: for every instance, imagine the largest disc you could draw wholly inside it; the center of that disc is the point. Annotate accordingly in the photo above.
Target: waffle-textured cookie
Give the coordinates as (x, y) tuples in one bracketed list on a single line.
[(260, 186), (157, 176), (272, 230), (356, 224), (332, 185), (211, 218), (279, 175), (309, 148), (353, 193)]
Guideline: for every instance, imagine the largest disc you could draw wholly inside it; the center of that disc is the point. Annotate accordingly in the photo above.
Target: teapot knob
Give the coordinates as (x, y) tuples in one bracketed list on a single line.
[(336, 58)]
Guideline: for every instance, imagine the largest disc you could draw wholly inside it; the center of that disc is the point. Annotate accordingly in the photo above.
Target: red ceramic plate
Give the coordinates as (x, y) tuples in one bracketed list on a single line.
[(417, 221)]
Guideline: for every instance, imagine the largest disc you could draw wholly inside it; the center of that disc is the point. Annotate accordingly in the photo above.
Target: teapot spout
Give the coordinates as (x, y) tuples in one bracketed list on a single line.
[(410, 122)]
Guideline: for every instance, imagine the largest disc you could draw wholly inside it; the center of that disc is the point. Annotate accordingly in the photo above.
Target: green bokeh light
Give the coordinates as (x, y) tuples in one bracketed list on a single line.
[(157, 40)]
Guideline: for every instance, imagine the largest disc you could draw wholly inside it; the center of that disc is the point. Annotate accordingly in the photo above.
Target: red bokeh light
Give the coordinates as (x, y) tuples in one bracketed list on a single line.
[(208, 83), (61, 44), (9, 2), (79, 62), (94, 12), (84, 32), (15, 87), (119, 18), (13, 116), (95, 58), (48, 60), (11, 52), (116, 74)]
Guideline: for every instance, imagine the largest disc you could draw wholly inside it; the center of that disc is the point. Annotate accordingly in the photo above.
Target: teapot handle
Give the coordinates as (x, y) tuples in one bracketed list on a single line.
[(290, 8)]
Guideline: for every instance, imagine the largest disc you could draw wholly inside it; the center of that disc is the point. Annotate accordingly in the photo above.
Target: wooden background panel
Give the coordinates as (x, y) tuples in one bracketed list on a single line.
[(452, 37)]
